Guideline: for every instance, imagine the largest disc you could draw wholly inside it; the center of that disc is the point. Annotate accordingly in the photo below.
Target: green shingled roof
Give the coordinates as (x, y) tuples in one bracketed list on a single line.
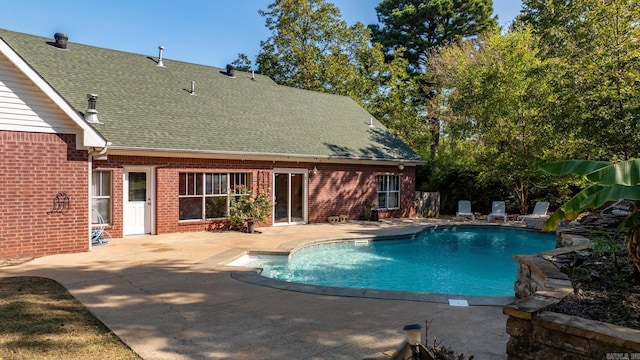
[(143, 106)]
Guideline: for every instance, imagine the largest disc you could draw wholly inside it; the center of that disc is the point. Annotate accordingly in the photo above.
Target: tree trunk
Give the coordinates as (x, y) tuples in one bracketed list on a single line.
[(633, 246), (434, 123)]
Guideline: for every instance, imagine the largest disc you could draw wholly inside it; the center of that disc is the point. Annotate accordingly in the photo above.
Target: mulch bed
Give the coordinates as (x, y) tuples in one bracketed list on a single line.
[(601, 293)]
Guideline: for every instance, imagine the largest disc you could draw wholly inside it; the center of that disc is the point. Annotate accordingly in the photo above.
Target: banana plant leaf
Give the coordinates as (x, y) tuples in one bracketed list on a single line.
[(611, 193), (611, 182), (622, 173), (572, 208)]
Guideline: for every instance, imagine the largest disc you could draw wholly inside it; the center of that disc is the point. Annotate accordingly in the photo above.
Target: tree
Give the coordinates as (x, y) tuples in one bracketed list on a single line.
[(496, 97), (395, 104), (242, 63), (596, 44), (608, 182), (312, 48), (419, 26)]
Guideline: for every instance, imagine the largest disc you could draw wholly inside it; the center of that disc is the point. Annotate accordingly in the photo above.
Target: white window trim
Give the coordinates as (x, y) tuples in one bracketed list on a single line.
[(388, 192), (204, 195)]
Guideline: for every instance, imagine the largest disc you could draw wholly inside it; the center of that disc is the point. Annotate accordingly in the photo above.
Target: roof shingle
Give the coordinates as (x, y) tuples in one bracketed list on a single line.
[(143, 106)]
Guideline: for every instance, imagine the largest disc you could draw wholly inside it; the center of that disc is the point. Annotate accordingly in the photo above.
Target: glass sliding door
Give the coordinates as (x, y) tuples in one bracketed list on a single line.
[(290, 194)]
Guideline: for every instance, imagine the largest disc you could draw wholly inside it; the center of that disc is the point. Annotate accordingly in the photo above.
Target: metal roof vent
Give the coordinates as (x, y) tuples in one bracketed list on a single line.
[(61, 40), (160, 49), (231, 70), (91, 115)]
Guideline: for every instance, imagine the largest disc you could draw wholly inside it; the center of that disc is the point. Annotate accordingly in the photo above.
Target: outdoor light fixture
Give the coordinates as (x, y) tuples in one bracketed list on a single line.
[(313, 171), (413, 337), (400, 167)]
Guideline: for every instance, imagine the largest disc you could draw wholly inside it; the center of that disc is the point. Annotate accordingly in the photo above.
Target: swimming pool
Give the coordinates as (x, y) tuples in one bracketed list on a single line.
[(459, 261)]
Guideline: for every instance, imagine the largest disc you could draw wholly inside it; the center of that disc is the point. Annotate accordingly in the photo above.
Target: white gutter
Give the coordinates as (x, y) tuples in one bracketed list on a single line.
[(247, 156)]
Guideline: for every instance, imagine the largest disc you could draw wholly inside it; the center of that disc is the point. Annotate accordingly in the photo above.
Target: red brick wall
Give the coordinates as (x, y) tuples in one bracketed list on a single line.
[(336, 189), (345, 190), (34, 167), (166, 175)]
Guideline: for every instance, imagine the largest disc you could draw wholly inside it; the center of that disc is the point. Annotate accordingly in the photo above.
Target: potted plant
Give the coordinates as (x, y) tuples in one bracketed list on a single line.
[(369, 211), (249, 209)]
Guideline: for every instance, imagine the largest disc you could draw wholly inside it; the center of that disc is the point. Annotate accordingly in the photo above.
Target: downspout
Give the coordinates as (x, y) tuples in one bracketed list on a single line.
[(90, 178)]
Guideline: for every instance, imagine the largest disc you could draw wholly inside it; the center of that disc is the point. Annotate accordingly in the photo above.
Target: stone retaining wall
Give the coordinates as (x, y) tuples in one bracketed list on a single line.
[(539, 334)]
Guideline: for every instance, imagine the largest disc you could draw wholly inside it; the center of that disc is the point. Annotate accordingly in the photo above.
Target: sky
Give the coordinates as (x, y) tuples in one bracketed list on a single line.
[(208, 32)]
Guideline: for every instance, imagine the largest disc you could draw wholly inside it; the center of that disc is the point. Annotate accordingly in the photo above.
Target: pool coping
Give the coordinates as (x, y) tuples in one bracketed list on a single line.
[(252, 275)]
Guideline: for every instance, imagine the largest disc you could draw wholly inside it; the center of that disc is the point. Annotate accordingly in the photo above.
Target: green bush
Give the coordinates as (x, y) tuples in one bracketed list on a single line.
[(252, 207)]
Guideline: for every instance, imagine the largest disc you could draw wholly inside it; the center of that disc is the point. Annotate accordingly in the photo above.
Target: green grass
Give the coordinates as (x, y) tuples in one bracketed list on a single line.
[(39, 319)]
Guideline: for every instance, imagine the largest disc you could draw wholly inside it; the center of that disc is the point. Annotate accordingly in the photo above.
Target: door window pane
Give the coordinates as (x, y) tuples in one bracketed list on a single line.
[(137, 186), (282, 198), (297, 199)]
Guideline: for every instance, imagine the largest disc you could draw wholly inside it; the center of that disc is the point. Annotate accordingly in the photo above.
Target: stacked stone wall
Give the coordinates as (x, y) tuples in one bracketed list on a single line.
[(539, 334)]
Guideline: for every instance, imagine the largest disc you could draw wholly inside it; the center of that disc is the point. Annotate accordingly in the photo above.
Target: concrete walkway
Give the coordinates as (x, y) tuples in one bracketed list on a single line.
[(171, 297)]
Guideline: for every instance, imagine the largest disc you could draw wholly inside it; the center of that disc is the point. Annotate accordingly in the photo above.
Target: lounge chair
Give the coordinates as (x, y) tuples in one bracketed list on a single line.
[(497, 210), (539, 211), (464, 209), (99, 236), (617, 208)]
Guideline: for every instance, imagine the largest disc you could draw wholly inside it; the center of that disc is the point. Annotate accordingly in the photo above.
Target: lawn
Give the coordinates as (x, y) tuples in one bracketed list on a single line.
[(39, 319)]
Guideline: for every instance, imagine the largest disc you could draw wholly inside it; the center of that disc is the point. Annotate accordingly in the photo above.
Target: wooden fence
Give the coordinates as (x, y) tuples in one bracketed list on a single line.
[(427, 204)]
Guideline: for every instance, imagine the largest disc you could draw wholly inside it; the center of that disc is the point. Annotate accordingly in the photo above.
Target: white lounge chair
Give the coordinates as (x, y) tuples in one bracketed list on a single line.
[(497, 210), (617, 208), (539, 211), (464, 209)]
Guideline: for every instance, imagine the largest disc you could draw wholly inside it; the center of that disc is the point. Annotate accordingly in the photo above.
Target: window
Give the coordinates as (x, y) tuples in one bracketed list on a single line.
[(388, 191), (206, 195), (101, 195)]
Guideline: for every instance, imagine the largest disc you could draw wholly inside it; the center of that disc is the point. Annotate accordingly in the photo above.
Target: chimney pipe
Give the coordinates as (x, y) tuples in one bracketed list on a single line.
[(193, 88), (91, 115), (160, 49), (61, 40), (231, 70)]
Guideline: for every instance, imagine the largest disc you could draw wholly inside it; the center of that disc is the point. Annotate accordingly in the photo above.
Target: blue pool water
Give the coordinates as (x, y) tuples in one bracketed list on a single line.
[(461, 261)]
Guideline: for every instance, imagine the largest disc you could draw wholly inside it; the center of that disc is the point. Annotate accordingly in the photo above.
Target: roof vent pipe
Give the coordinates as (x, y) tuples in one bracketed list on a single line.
[(61, 40), (91, 115), (231, 70), (193, 88), (160, 49)]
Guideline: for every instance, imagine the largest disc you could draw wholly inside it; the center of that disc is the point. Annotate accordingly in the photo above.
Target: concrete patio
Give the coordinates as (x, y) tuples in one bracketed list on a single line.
[(172, 297)]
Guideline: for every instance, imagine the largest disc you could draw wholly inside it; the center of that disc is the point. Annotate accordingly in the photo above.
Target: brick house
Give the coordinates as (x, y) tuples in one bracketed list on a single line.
[(159, 146)]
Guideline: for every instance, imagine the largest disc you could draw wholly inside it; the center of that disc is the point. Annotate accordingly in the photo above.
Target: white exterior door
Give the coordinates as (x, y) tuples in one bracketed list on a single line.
[(137, 189)]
